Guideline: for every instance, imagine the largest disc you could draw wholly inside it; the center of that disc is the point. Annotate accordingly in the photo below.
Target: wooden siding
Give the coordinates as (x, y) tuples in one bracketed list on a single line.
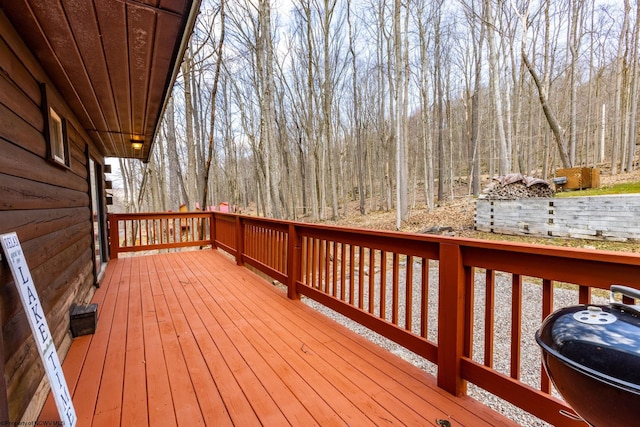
[(596, 217), (192, 339), (49, 207)]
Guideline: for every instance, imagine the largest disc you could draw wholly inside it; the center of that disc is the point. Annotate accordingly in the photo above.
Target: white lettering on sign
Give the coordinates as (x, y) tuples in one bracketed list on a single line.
[(39, 328)]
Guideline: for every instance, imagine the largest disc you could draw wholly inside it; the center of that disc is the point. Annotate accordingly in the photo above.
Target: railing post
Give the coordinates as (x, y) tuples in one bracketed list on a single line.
[(293, 262), (239, 240), (212, 230), (451, 327), (114, 237)]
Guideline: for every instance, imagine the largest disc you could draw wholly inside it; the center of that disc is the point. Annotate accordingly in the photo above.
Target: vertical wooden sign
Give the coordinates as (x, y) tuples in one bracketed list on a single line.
[(39, 328)]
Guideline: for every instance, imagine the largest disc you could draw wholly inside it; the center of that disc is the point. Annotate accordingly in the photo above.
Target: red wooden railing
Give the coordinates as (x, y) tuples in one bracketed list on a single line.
[(153, 231), (425, 293)]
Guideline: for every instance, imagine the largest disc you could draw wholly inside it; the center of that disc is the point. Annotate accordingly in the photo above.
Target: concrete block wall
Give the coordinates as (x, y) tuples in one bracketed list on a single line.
[(615, 217)]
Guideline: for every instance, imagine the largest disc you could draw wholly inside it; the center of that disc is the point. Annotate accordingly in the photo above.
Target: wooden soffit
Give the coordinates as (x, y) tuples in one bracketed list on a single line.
[(114, 61)]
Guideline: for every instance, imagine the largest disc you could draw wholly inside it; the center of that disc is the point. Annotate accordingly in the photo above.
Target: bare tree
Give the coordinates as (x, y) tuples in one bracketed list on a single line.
[(494, 82), (424, 41), (356, 112), (619, 89), (212, 118), (401, 149), (544, 97), (633, 96)]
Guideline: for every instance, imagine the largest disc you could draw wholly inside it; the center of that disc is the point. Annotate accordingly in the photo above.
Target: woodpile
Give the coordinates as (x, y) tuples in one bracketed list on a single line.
[(516, 186)]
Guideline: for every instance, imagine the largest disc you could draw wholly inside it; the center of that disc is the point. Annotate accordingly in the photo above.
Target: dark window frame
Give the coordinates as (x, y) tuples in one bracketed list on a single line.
[(55, 132)]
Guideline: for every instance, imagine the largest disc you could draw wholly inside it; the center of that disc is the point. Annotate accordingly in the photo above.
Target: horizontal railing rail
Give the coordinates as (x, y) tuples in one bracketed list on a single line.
[(468, 306)]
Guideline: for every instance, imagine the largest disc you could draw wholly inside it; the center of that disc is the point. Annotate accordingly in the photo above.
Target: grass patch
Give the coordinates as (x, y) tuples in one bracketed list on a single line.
[(624, 188)]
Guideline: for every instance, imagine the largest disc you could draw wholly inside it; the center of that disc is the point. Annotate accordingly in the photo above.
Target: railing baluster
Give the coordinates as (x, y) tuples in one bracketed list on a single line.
[(351, 274), (250, 244), (327, 267), (383, 284), (303, 258), (320, 270), (424, 299), (271, 248), (307, 261), (489, 312), (343, 260), (264, 243), (408, 299), (256, 241), (278, 245), (469, 291), (584, 295), (316, 262), (361, 277), (516, 323), (394, 287), (372, 278), (334, 261), (547, 308)]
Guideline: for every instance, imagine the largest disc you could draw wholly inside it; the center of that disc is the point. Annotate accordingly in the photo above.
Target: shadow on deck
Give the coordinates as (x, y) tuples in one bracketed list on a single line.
[(191, 338)]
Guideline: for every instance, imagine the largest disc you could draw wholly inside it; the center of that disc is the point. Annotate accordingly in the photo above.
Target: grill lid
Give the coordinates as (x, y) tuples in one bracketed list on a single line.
[(600, 341)]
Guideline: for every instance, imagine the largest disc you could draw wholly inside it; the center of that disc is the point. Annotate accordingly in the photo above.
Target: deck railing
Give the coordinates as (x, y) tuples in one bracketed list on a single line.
[(152, 231), (435, 296)]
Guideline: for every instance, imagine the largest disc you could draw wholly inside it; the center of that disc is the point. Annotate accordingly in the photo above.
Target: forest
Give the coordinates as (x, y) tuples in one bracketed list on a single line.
[(294, 109)]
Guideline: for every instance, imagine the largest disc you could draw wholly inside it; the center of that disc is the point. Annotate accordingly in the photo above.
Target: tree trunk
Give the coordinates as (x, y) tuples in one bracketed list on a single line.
[(551, 118), (618, 138), (504, 160), (475, 105), (191, 172), (574, 47), (401, 161), (177, 190), (634, 92), (356, 112), (327, 105), (212, 118)]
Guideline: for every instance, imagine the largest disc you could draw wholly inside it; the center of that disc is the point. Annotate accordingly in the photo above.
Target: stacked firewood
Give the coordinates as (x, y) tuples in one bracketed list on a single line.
[(516, 186)]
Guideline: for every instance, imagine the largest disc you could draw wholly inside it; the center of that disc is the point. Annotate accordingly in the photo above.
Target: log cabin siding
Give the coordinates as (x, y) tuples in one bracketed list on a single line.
[(49, 207)]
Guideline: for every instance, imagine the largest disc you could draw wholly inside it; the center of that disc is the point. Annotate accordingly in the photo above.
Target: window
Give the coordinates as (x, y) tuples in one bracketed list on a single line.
[(55, 132), (56, 137)]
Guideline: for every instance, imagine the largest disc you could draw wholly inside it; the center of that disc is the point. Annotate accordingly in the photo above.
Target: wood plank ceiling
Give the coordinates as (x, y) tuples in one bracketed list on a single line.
[(113, 61)]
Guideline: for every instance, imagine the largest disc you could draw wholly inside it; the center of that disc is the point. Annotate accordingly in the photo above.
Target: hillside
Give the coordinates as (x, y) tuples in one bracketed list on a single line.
[(456, 218)]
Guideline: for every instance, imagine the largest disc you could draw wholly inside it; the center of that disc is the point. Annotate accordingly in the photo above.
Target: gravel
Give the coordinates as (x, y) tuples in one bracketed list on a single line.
[(531, 319)]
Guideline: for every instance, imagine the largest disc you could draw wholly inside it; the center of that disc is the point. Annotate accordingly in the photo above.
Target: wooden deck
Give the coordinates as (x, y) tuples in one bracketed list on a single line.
[(191, 338)]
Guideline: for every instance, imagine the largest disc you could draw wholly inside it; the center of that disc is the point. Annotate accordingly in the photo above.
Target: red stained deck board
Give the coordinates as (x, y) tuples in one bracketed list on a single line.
[(160, 404), (205, 397), (134, 395), (109, 404), (192, 339)]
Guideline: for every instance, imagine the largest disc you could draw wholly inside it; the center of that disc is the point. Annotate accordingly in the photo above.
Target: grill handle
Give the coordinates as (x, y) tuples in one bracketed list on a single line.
[(627, 292)]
